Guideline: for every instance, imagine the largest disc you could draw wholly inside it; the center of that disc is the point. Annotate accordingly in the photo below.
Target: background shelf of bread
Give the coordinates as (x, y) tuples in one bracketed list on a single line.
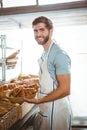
[(11, 98), (11, 60)]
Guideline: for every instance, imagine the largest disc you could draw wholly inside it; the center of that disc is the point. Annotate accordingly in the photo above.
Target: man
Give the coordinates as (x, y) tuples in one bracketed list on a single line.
[(54, 78)]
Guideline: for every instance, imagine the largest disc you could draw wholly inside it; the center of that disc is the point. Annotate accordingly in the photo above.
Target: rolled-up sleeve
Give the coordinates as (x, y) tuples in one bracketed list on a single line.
[(62, 63)]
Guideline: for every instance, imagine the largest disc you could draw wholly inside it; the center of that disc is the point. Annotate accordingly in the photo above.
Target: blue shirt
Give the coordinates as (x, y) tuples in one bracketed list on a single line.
[(58, 62)]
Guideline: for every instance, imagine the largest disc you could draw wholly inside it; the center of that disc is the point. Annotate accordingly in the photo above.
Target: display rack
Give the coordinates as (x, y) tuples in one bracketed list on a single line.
[(3, 57), (6, 62)]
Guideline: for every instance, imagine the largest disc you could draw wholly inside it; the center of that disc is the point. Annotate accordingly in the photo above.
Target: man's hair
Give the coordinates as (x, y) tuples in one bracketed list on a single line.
[(45, 20)]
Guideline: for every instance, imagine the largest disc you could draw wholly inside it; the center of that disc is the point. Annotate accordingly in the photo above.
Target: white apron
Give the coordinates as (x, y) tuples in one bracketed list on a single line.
[(53, 115)]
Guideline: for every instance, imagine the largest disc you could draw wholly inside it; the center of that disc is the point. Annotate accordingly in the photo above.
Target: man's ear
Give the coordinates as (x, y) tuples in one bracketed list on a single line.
[(51, 31)]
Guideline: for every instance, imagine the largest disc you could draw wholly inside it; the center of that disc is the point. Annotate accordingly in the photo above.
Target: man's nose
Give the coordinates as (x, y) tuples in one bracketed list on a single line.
[(38, 33)]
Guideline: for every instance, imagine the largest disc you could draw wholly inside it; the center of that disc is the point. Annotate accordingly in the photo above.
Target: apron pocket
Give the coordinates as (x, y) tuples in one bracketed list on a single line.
[(44, 108), (40, 122)]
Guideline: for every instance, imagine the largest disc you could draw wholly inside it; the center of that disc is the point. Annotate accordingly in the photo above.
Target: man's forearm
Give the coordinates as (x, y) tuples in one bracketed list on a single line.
[(56, 94)]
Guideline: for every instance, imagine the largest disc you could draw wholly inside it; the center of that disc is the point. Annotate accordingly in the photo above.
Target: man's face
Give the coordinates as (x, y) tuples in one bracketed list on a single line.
[(41, 33)]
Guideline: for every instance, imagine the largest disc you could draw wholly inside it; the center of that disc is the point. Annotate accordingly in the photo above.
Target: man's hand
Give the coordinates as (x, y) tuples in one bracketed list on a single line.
[(33, 100)]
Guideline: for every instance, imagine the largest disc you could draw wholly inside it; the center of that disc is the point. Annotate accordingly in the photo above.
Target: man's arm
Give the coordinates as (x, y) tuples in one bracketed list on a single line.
[(61, 91)]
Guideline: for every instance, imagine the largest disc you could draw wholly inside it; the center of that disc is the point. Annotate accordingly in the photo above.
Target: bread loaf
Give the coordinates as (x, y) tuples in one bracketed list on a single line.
[(23, 76), (3, 111), (12, 86), (1, 88), (5, 87), (17, 90), (13, 80), (13, 55), (4, 102)]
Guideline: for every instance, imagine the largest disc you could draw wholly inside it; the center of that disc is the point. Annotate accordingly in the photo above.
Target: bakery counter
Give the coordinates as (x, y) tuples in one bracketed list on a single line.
[(14, 112), (25, 114)]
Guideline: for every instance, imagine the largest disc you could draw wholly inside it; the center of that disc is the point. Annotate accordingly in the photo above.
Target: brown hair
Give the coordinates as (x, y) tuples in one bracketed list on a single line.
[(44, 20)]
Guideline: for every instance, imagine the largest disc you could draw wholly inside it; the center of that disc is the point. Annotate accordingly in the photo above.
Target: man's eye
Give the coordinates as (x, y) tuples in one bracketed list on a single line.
[(35, 30), (42, 30)]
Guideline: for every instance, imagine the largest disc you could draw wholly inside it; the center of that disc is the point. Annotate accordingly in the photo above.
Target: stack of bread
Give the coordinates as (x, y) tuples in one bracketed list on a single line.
[(20, 87), (6, 88), (5, 103), (21, 91)]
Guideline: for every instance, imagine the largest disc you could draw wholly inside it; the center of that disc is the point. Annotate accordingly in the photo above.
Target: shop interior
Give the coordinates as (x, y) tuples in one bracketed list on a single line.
[(70, 31)]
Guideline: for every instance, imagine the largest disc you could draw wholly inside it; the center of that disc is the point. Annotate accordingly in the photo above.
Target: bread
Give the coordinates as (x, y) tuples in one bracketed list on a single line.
[(13, 80), (23, 76), (1, 88), (29, 91), (2, 94), (17, 90), (13, 55), (33, 76), (5, 87), (4, 102), (3, 111), (11, 86), (35, 86)]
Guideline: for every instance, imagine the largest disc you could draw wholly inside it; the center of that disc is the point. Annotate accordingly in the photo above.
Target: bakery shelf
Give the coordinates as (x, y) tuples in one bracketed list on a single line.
[(6, 62), (2, 46)]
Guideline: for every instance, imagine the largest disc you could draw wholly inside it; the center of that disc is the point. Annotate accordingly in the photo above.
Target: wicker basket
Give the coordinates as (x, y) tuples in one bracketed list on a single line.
[(9, 119)]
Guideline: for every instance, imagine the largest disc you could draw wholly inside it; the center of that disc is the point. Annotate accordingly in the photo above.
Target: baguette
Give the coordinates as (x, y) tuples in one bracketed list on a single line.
[(13, 55)]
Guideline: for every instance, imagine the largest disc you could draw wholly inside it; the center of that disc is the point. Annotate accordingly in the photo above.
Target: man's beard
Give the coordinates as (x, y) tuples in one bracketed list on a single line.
[(44, 41)]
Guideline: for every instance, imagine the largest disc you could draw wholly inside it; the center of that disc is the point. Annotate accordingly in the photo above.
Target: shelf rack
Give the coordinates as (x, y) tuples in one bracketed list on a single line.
[(3, 56)]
